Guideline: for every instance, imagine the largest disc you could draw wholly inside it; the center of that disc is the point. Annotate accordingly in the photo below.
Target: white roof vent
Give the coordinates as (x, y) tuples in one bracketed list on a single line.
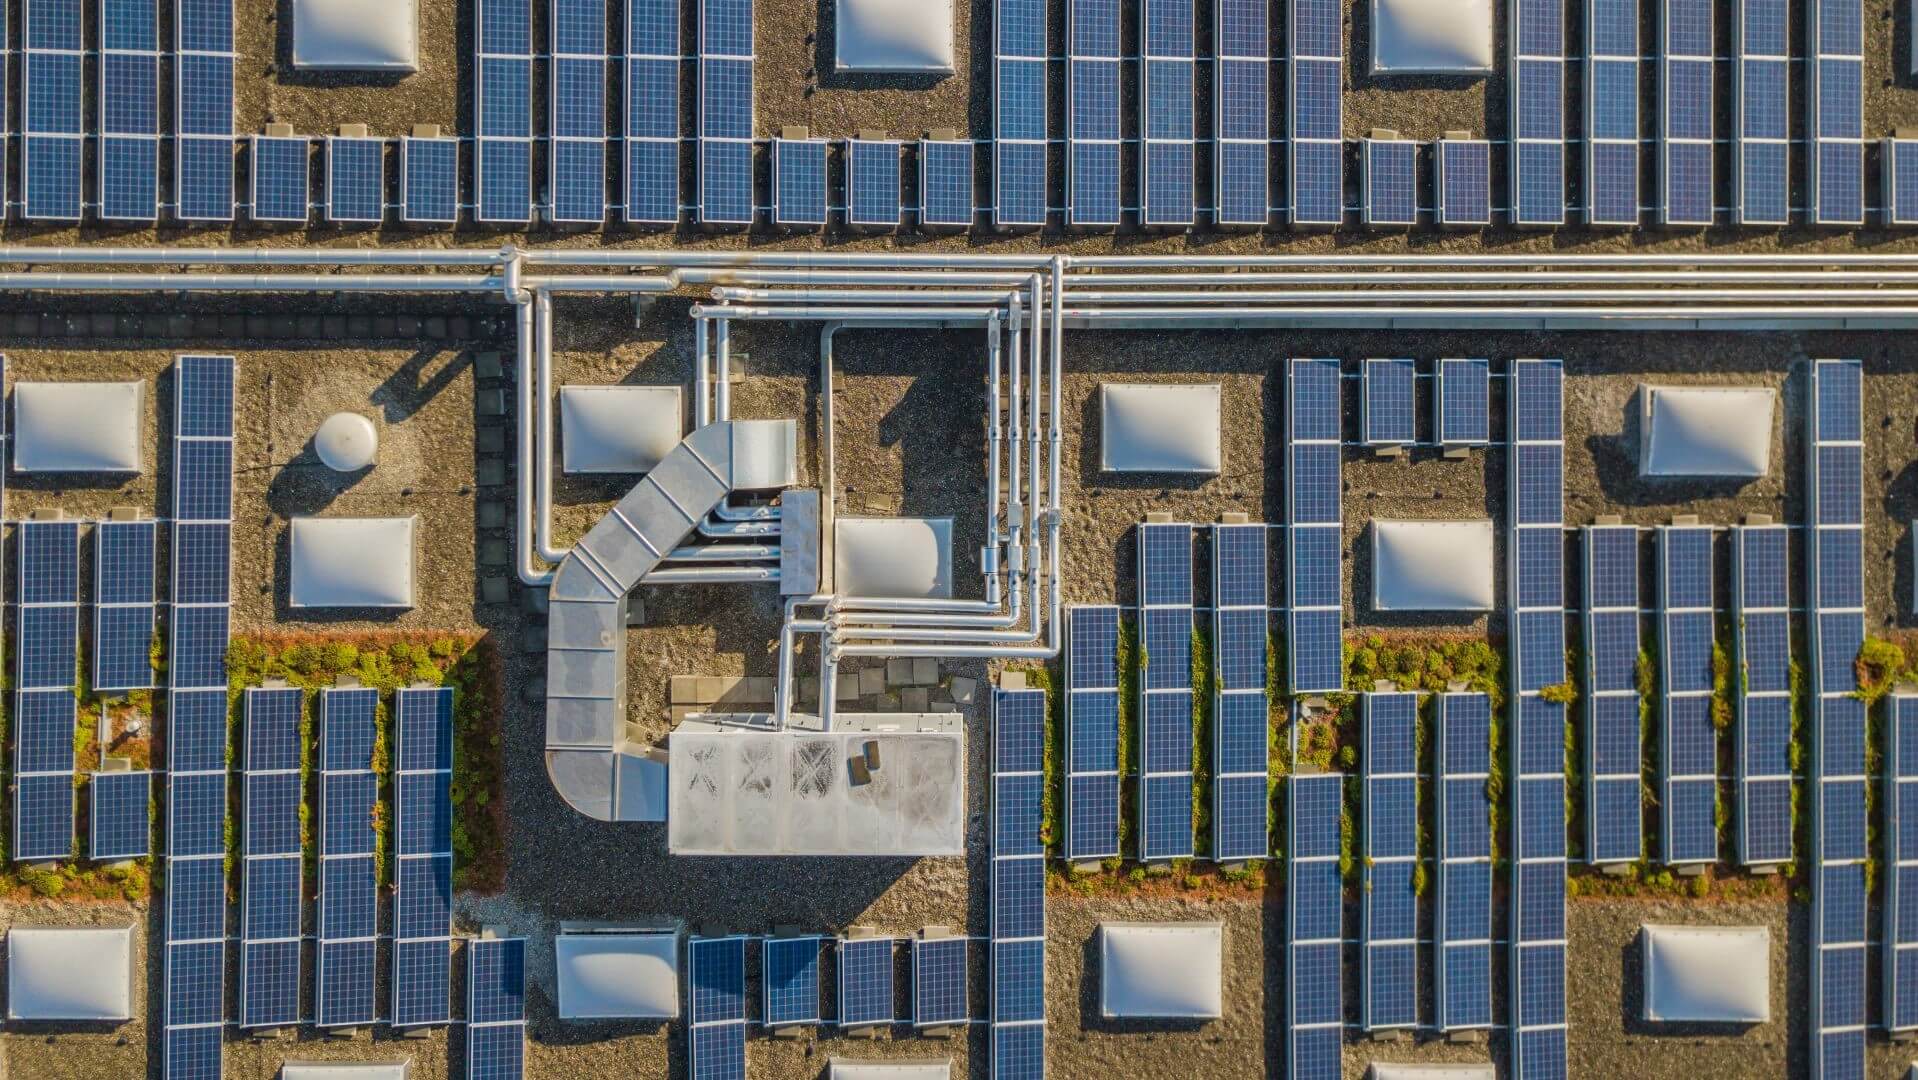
[(347, 442), (618, 429), (1432, 565), (58, 973), (356, 35), (344, 1070), (352, 562), (910, 36), (1385, 1070), (78, 427), (1431, 37), (1167, 971), (615, 976), (1707, 974), (1705, 430), (849, 1069), (893, 558), (1153, 427)]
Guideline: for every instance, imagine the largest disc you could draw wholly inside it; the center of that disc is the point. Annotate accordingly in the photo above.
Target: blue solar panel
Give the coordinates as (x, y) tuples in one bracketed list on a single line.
[(1391, 391), (945, 184), (496, 1009), (1241, 108), (865, 982), (1314, 1014), (1018, 885), (1463, 953), (1613, 817), (1389, 914), (129, 85), (1685, 116), (1834, 104), (799, 182), (1761, 598), (1900, 961), (939, 982), (429, 181), (1240, 726), (1092, 734), (422, 935), (1167, 107), (1898, 160), (503, 112), (652, 112), (1760, 111), (1315, 120), (123, 605), (1092, 114), (1391, 182), (119, 817), (51, 110), (1462, 171), (203, 166), (1313, 420), (1611, 113), (872, 184), (1464, 402), (348, 791), (576, 185), (1688, 743), (280, 172), (355, 180), (1165, 703), (1019, 113), (726, 112), (791, 981)]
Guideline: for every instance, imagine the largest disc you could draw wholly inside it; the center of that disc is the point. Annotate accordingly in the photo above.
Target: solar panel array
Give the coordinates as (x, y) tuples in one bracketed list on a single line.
[(496, 1009), (716, 1007), (1390, 902), (1018, 885), (1835, 565), (195, 992), (945, 184), (119, 816), (726, 112), (271, 867), (1464, 402), (1314, 913), (1614, 803), (1093, 135), (423, 887), (1314, 554), (1761, 106), (281, 170), (349, 790), (123, 572), (129, 161), (939, 982), (1241, 743), (1462, 169), (1019, 113), (503, 112), (652, 111), (47, 654), (1092, 733), (789, 978), (1388, 406), (1761, 599), (576, 158), (355, 180), (1536, 986), (52, 110), (1688, 739), (1685, 116), (1835, 100), (1391, 182), (203, 74), (1462, 951), (1315, 114), (1242, 75), (1898, 164), (1611, 112), (1167, 105), (1900, 964), (1537, 95), (429, 180), (1165, 692), (872, 183), (799, 182)]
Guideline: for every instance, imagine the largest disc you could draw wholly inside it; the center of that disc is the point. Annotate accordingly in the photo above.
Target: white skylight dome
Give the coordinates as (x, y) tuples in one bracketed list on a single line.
[(1705, 430), (1707, 974), (910, 36), (69, 973), (1154, 427), (893, 557), (617, 976), (1431, 37), (78, 427), (356, 35), (1432, 565), (618, 429), (1166, 971), (352, 562)]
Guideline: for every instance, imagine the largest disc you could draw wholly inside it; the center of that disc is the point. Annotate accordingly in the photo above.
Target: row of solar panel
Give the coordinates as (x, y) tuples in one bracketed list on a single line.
[(792, 981), (1314, 492), (1165, 692), (1018, 907)]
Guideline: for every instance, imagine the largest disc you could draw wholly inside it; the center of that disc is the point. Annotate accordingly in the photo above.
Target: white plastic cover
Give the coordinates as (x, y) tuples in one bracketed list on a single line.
[(356, 35), (1705, 430), (618, 429), (738, 792), (344, 1070), (78, 427), (1431, 37), (618, 976), (69, 973), (1170, 971), (1707, 974), (894, 35), (1154, 427), (347, 442), (892, 557), (848, 1069), (1432, 565), (352, 562), (1384, 1070)]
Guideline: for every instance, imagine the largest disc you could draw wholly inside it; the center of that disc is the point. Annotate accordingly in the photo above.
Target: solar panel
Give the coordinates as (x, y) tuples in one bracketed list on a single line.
[(280, 172), (1611, 113), (422, 896), (1389, 911), (1092, 733), (1240, 727), (790, 979), (1093, 132), (872, 184), (1018, 967), (1614, 827), (52, 110), (503, 112), (945, 184), (1761, 105), (271, 867), (1315, 117), (1387, 406), (1464, 397), (865, 982), (46, 653), (1314, 1012), (939, 982), (1462, 956), (348, 791), (652, 112), (1462, 169), (355, 180), (1165, 691), (1390, 182), (716, 1008), (799, 182), (1835, 103), (576, 148), (429, 181), (1166, 107), (1688, 742), (1898, 165), (1685, 116), (1537, 113), (1900, 964), (1838, 789), (203, 110), (1241, 108), (1535, 406), (1315, 607), (129, 88), (496, 1009), (120, 821), (726, 112), (1019, 113), (1761, 604), (123, 605)]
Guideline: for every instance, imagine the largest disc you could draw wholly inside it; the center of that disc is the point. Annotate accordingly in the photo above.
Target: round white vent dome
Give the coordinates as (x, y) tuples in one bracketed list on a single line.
[(347, 442)]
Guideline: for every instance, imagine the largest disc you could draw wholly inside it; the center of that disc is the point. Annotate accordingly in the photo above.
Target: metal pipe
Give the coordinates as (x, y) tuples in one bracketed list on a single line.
[(861, 296), (721, 529), (254, 256), (711, 575), (1674, 294), (543, 412), (724, 553), (702, 375), (723, 379), (842, 314), (526, 504), (989, 555), (52, 281), (1440, 277), (1367, 317), (754, 512)]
